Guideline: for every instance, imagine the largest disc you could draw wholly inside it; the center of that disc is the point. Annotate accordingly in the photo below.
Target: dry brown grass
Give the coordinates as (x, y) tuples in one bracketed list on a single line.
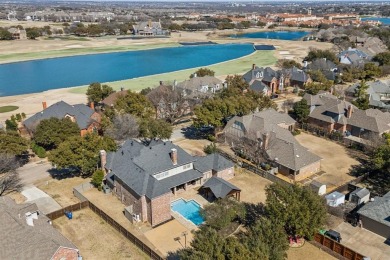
[(308, 252), (95, 238), (193, 147), (252, 186), (61, 190)]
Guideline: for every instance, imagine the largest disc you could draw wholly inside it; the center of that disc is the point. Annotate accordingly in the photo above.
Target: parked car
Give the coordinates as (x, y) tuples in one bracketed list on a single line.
[(333, 235)]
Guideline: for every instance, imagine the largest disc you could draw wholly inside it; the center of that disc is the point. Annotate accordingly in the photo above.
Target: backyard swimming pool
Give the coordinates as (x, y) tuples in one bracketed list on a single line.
[(189, 210)]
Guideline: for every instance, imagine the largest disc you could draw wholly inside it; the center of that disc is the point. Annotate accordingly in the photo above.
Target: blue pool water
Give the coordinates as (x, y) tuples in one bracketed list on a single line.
[(383, 20), (279, 35), (40, 75), (189, 210)]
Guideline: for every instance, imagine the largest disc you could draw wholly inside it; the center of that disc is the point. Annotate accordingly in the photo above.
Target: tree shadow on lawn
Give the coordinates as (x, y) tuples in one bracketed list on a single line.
[(194, 133), (65, 173)]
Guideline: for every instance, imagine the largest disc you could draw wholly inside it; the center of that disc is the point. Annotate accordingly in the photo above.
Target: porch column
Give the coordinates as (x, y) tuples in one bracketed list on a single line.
[(174, 190), (185, 186)]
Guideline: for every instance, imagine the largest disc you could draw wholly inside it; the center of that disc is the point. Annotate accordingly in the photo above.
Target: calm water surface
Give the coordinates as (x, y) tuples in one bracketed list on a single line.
[(279, 35), (383, 20), (40, 75)]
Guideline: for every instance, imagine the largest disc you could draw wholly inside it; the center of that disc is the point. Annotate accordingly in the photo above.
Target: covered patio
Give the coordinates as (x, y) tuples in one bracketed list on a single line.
[(218, 188)]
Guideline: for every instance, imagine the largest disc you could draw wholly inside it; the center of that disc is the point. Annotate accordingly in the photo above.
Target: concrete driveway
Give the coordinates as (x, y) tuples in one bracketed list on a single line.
[(363, 241), (45, 203), (33, 172)]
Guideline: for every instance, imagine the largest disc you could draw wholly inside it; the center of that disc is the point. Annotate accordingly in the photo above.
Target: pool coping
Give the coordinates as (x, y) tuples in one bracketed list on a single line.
[(178, 216)]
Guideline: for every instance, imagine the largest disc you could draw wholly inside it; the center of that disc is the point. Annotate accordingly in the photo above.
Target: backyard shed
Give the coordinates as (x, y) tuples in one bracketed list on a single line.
[(359, 196), (219, 188), (318, 187), (335, 198)]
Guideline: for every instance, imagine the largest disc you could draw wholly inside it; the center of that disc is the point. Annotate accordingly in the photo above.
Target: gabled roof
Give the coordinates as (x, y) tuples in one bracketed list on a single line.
[(297, 74), (219, 187), (82, 114), (266, 74), (378, 210), (371, 119), (21, 241), (360, 192), (213, 161), (322, 65), (112, 98), (283, 147), (258, 86)]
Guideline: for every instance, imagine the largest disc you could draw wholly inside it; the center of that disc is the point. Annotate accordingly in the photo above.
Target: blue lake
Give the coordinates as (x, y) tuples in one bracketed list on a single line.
[(40, 75), (279, 35), (383, 20)]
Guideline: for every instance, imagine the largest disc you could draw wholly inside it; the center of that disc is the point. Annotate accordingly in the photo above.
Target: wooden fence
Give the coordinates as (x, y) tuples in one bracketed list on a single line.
[(338, 248), (129, 236)]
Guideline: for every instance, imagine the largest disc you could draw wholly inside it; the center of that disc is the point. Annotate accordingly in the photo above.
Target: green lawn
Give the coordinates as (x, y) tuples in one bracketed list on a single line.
[(237, 66), (5, 109), (4, 58)]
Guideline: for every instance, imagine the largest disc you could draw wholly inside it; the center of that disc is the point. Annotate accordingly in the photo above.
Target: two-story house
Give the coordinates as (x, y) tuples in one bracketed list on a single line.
[(146, 177), (271, 134), (86, 117)]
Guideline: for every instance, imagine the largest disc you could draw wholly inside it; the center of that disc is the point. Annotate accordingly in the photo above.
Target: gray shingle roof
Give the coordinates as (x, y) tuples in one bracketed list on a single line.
[(322, 65), (220, 187), (371, 119), (258, 86), (360, 192), (213, 161), (21, 241), (59, 110), (135, 164), (282, 145), (378, 210)]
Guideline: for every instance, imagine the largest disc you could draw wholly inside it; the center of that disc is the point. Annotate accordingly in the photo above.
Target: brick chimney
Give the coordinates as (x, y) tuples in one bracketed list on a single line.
[(174, 156), (44, 105), (253, 66), (92, 105), (265, 141), (103, 159), (349, 111)]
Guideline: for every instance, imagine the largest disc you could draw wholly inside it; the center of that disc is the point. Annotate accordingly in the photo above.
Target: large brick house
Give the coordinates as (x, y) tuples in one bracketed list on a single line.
[(270, 134), (145, 177), (27, 234), (332, 114), (86, 118), (268, 81)]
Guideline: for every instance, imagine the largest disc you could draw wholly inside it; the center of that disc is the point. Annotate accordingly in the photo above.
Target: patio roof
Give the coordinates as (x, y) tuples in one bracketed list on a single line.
[(219, 187)]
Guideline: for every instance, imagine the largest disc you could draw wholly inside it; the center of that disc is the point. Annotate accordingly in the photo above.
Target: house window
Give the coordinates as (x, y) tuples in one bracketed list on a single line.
[(238, 125), (187, 166)]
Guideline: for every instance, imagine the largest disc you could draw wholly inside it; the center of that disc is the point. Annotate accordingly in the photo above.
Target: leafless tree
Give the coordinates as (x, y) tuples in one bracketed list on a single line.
[(123, 127), (9, 178)]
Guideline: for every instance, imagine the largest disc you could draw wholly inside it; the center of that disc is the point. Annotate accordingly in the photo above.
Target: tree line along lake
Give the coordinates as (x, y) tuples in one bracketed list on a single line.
[(41, 75)]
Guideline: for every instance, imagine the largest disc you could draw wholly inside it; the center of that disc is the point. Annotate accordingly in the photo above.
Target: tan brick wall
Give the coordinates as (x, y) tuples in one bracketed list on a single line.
[(161, 209), (65, 253), (207, 175), (308, 170), (326, 126), (127, 198), (226, 174)]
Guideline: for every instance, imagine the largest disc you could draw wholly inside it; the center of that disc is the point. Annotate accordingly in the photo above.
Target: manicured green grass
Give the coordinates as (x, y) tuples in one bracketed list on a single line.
[(4, 58), (237, 66), (5, 109)]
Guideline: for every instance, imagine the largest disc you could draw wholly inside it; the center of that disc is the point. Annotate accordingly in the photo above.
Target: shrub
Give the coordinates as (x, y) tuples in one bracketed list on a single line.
[(211, 148), (211, 138), (97, 179), (38, 150), (296, 132)]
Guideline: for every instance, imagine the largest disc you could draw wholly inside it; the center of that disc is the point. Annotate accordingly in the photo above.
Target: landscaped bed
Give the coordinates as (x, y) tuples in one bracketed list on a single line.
[(5, 109)]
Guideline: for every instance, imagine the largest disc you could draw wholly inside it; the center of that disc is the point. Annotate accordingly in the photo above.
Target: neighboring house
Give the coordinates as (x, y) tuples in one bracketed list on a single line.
[(27, 234), (353, 57), (378, 93), (327, 67), (149, 29), (375, 215), (270, 133), (268, 81), (332, 114), (169, 102), (110, 101), (199, 87), (85, 117), (360, 196), (369, 45), (18, 34), (146, 177), (335, 199)]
